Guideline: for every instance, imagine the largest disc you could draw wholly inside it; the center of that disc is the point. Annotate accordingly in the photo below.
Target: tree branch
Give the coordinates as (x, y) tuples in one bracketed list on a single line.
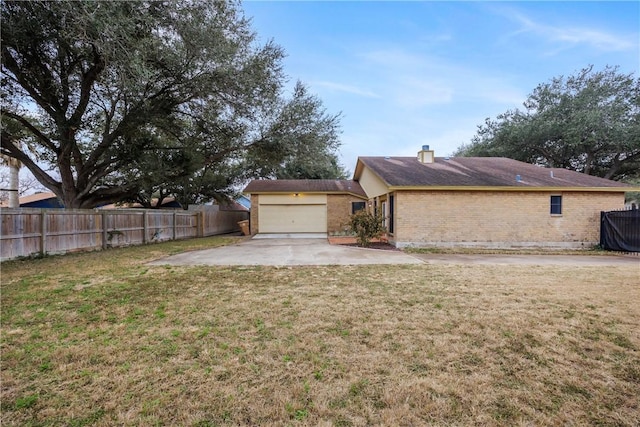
[(49, 105), (88, 80), (9, 148), (34, 130)]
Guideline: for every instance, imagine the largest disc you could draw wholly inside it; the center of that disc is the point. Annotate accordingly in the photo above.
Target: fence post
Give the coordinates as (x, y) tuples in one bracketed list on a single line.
[(43, 232), (175, 223), (200, 220), (145, 226), (103, 215), (602, 215)]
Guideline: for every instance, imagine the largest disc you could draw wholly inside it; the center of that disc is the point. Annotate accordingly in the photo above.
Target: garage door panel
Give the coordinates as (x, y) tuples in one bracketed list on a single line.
[(290, 199), (293, 219)]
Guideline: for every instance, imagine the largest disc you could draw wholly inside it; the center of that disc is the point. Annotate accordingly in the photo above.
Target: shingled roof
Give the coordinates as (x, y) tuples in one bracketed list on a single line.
[(478, 172), (305, 186)]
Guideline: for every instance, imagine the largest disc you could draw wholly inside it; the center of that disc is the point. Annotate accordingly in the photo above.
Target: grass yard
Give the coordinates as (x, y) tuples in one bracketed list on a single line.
[(102, 339)]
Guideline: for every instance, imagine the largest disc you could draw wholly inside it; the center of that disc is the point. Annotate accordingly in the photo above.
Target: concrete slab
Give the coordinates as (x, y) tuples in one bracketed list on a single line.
[(285, 252)]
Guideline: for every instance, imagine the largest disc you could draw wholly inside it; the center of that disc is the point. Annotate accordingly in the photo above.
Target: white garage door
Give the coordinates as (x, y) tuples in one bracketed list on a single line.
[(293, 219)]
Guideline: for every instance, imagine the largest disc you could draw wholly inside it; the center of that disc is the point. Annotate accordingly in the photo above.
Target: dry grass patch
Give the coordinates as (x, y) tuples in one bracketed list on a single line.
[(103, 339)]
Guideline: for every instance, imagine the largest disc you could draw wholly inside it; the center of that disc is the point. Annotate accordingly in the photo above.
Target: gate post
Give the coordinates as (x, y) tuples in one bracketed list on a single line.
[(602, 213)]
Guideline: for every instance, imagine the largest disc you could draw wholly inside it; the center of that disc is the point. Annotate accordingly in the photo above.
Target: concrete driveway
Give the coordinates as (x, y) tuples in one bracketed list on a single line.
[(281, 250), (278, 251)]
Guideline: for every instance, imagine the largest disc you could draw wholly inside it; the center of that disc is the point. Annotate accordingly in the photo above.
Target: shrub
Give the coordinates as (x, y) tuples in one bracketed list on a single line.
[(366, 226)]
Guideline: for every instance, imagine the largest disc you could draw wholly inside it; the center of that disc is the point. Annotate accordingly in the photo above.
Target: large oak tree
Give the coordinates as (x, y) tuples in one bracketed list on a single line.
[(125, 101), (588, 122)]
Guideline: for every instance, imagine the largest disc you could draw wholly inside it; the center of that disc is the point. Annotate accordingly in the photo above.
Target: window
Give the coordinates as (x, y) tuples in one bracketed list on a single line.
[(556, 205), (391, 200), (384, 214), (357, 206)]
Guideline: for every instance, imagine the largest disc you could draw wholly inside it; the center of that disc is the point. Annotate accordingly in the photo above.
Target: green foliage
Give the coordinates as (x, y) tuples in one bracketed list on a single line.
[(148, 99), (588, 122), (300, 142), (366, 226)]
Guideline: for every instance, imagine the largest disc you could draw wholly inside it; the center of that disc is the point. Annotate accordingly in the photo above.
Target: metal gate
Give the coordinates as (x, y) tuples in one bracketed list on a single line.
[(620, 230)]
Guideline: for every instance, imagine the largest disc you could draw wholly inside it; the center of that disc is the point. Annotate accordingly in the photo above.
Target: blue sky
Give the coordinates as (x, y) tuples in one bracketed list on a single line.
[(405, 74)]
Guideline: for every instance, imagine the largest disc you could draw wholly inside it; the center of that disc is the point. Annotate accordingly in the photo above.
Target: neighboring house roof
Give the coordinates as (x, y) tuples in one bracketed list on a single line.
[(39, 200), (477, 172), (167, 202), (305, 186), (244, 201)]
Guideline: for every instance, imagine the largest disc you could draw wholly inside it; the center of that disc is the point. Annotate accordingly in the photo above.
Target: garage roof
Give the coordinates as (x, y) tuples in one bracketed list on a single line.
[(333, 186)]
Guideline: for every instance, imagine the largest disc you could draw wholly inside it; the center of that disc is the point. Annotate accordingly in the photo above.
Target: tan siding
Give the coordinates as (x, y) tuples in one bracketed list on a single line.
[(371, 184), (484, 218), (291, 199)]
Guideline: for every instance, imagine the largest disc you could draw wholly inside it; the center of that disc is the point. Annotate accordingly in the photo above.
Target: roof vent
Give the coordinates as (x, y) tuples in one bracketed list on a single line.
[(551, 174), (518, 178)]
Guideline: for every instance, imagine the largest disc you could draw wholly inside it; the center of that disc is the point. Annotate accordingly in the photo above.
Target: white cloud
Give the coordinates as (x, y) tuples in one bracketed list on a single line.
[(414, 92), (413, 80), (346, 88), (569, 36)]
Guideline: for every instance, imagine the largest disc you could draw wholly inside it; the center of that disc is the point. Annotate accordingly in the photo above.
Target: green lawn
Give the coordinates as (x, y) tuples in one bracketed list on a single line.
[(103, 339)]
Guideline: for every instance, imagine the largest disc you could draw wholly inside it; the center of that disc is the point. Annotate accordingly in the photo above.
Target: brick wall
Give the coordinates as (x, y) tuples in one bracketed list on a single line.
[(339, 212), (253, 219), (499, 219)]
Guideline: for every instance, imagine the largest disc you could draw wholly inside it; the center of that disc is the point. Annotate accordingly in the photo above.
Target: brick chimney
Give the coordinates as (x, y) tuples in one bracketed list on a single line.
[(425, 155)]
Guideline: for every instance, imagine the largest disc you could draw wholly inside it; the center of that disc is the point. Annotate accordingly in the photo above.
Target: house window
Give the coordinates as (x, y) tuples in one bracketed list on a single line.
[(357, 206), (391, 203), (556, 205), (384, 213)]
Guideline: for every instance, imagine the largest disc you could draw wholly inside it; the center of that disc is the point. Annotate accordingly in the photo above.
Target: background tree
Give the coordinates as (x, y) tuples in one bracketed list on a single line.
[(589, 123), (300, 142), (132, 99)]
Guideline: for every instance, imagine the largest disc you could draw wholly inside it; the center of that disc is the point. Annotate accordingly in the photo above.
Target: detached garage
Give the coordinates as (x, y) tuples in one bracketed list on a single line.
[(303, 206)]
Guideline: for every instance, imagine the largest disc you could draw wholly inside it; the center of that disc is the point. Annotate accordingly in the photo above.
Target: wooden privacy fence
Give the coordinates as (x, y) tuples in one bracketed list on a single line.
[(26, 232)]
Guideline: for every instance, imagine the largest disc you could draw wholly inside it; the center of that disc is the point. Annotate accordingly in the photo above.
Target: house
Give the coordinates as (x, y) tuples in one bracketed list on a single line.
[(45, 200), (303, 206), (464, 201)]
